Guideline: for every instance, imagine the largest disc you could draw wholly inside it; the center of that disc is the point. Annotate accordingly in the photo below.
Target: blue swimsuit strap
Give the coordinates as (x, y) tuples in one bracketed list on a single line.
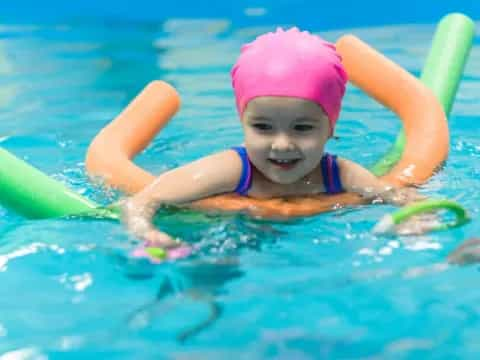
[(246, 177), (331, 174)]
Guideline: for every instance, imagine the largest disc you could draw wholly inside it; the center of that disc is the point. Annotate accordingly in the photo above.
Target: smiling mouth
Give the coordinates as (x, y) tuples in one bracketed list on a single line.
[(284, 164)]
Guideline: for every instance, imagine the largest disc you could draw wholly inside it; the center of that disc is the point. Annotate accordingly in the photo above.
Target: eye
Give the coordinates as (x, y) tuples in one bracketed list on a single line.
[(262, 126), (303, 127)]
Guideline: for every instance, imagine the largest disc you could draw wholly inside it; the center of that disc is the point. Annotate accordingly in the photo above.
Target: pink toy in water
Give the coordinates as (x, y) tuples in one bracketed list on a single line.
[(158, 255)]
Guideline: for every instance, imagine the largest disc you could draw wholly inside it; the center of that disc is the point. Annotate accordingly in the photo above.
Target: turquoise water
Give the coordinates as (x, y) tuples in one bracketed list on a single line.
[(322, 287)]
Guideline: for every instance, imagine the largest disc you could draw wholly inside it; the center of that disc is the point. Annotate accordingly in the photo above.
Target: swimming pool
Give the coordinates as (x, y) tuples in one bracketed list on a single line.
[(320, 287)]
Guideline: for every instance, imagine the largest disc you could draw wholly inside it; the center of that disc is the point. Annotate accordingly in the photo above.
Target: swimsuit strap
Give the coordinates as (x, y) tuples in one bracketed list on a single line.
[(331, 174), (246, 178)]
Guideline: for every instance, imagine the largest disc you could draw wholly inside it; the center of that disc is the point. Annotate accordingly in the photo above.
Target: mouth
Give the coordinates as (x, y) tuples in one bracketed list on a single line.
[(284, 164)]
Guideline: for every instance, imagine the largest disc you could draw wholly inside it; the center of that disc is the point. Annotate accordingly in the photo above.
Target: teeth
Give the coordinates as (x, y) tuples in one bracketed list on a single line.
[(283, 161)]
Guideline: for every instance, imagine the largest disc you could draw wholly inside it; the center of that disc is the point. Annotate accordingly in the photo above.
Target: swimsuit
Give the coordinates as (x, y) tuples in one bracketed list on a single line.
[(245, 182), (328, 164)]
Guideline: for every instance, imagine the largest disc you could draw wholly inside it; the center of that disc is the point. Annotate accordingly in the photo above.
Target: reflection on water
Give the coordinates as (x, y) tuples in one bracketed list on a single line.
[(318, 287)]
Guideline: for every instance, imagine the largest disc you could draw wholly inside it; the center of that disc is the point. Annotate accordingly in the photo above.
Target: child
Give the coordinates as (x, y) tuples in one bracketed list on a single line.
[(289, 87)]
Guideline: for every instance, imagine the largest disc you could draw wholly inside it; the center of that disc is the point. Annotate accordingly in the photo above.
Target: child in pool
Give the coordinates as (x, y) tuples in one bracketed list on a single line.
[(288, 87)]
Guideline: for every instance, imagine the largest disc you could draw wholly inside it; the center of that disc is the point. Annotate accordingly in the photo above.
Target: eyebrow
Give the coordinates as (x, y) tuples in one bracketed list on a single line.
[(306, 119), (260, 118), (300, 119)]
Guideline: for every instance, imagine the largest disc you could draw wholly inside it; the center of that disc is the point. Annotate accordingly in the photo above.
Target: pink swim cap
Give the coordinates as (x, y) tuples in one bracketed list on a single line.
[(294, 64)]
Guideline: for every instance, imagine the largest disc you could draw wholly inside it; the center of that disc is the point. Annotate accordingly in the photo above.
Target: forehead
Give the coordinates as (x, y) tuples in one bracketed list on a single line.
[(280, 106)]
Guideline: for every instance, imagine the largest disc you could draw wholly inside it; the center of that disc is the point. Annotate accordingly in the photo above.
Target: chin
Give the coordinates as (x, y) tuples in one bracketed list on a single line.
[(284, 180), (281, 177)]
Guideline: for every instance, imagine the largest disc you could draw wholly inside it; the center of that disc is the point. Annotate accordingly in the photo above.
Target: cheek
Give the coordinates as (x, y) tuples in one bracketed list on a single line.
[(257, 149), (256, 142), (311, 144), (256, 154), (313, 151)]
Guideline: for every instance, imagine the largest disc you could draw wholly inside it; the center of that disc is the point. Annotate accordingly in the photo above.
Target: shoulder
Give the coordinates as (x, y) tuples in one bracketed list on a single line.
[(220, 171), (224, 161), (349, 165)]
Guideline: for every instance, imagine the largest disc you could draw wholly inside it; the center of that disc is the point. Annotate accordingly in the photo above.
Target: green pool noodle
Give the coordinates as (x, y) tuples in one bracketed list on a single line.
[(441, 73), (388, 222), (33, 194)]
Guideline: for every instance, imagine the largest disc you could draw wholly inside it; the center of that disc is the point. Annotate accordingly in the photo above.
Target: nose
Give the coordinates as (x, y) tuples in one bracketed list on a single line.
[(282, 142)]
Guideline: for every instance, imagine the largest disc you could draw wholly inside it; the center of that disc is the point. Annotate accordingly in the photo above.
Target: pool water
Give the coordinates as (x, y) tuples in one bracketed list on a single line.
[(321, 287)]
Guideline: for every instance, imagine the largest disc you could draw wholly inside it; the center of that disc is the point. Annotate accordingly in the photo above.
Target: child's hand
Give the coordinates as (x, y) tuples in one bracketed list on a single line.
[(402, 196), (139, 222), (418, 224), (415, 225), (155, 238)]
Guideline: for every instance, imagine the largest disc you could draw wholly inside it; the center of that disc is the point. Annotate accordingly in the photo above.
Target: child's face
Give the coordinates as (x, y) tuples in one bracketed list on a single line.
[(285, 136)]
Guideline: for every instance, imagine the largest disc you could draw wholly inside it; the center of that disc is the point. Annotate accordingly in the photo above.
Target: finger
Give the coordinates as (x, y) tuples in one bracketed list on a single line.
[(179, 252), (157, 238)]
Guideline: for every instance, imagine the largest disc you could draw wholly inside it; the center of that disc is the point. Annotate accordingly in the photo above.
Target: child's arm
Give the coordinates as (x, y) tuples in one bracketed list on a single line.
[(214, 174), (356, 178)]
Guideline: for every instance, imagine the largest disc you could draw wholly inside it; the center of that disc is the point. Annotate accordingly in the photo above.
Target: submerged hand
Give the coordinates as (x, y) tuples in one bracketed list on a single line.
[(139, 222), (402, 196), (159, 245), (418, 224), (155, 238)]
